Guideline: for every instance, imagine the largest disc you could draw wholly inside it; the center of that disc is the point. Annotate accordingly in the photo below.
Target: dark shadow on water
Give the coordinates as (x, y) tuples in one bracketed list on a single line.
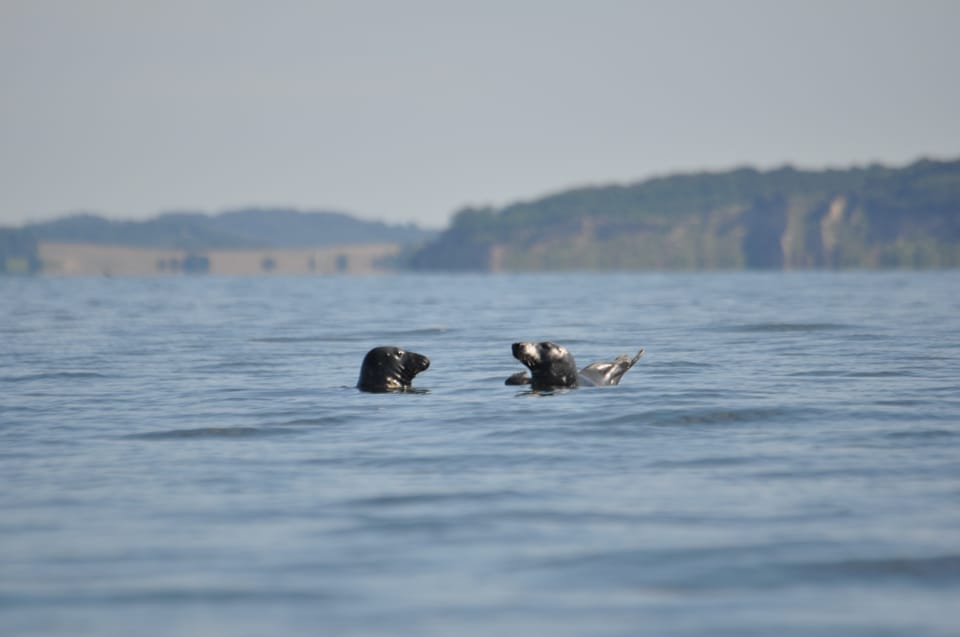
[(548, 392), (406, 390)]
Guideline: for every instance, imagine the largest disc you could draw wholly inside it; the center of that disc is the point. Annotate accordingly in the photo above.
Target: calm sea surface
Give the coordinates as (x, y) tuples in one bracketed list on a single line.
[(188, 456)]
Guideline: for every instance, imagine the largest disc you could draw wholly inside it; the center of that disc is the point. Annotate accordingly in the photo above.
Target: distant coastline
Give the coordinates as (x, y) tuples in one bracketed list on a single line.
[(241, 242), (872, 217), (861, 217), (84, 259)]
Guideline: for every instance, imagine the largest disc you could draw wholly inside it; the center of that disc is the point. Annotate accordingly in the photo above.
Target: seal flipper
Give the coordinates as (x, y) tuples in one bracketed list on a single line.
[(520, 378), (608, 372)]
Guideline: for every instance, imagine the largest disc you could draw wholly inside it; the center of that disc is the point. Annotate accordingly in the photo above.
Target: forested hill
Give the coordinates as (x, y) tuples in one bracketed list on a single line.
[(785, 218), (248, 228)]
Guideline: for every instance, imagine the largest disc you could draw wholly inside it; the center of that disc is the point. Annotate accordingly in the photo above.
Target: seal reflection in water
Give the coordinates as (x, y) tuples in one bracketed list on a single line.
[(390, 369), (552, 366)]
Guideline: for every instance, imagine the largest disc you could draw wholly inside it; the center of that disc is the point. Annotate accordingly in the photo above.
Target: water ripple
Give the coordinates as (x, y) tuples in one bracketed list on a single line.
[(211, 432), (163, 596), (777, 326), (66, 376)]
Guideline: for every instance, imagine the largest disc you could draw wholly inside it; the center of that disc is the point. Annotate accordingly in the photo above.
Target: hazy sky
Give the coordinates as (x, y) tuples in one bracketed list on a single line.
[(406, 111)]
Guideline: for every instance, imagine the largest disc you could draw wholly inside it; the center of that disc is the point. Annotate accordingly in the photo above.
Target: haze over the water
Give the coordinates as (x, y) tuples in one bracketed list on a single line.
[(406, 111)]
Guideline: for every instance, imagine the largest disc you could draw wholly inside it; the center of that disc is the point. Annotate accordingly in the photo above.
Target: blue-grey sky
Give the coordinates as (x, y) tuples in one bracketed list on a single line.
[(407, 111)]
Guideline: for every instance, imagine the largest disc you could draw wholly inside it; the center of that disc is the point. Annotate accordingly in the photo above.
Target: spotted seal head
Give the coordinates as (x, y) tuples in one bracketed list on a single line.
[(390, 369), (552, 366)]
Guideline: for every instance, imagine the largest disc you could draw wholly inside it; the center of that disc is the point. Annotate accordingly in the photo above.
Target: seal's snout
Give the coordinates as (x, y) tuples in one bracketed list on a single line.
[(418, 362), (524, 352)]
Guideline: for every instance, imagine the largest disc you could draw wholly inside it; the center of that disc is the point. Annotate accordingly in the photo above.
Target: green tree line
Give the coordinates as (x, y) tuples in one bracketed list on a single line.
[(868, 217)]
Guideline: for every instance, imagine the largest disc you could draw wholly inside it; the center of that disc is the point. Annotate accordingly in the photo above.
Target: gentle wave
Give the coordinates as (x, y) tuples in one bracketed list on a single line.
[(835, 373), (923, 434), (707, 462), (759, 567), (51, 376), (630, 424), (239, 366), (164, 596), (679, 367), (420, 331), (307, 339), (453, 462), (784, 327), (456, 497), (324, 421), (384, 336), (211, 432), (932, 570), (884, 373), (727, 416), (901, 402)]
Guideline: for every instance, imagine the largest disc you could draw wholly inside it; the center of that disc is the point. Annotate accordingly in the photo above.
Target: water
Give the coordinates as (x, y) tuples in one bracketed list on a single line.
[(188, 456)]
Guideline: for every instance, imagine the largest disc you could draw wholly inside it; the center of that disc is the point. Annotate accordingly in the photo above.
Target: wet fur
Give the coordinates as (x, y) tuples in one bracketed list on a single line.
[(390, 369), (552, 366)]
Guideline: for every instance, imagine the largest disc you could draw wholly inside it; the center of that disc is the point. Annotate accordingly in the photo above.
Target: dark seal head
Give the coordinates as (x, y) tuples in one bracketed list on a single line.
[(390, 369), (551, 366)]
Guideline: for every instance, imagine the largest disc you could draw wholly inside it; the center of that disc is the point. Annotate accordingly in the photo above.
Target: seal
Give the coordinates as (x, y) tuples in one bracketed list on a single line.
[(552, 366), (390, 369)]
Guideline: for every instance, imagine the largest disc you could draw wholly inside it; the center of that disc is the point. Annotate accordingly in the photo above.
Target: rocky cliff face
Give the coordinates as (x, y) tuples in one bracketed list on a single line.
[(786, 219)]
